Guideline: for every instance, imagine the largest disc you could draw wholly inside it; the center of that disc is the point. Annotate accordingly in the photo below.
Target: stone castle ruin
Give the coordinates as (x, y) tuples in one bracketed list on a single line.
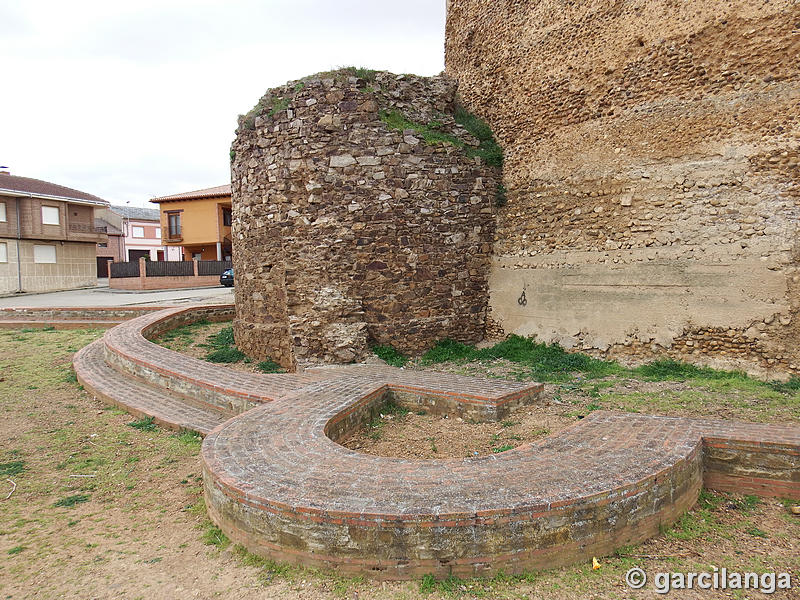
[(652, 168), (653, 172), (351, 228)]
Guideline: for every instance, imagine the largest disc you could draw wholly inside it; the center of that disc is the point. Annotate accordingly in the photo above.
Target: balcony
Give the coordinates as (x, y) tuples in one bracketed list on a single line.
[(86, 228), (86, 232)]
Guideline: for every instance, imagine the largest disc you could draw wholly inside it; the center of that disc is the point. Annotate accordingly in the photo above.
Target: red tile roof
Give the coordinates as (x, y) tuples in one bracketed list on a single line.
[(212, 192), (37, 187)]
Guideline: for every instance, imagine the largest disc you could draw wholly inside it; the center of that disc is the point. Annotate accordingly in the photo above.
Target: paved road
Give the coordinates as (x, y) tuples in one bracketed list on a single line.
[(103, 296)]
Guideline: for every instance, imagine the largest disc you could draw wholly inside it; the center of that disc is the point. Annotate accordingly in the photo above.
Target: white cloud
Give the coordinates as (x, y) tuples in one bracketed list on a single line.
[(132, 100)]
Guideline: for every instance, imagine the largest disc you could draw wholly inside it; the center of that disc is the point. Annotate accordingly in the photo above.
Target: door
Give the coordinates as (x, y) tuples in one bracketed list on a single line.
[(102, 266)]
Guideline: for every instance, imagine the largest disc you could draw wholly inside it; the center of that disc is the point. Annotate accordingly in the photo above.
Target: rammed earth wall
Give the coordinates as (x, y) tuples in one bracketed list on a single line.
[(652, 172), (350, 232)]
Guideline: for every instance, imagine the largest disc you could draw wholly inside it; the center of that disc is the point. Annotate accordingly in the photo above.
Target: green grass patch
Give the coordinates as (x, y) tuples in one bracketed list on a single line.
[(14, 467), (756, 532), (488, 150), (222, 339), (184, 332), (268, 569), (144, 424), (73, 500), (361, 73), (432, 133), (213, 536), (16, 550), (225, 355), (545, 362), (278, 104), (269, 366), (390, 356), (503, 448), (189, 438), (786, 387), (390, 407), (223, 349), (673, 370)]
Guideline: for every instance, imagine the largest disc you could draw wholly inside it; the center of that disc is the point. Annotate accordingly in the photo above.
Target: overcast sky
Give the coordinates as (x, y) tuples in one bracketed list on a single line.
[(139, 99)]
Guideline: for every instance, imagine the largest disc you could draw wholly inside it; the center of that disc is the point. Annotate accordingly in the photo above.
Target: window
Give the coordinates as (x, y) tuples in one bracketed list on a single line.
[(158, 232), (174, 222), (137, 232), (44, 254), (50, 216), (3, 212), (226, 216), (102, 245), (3, 252)]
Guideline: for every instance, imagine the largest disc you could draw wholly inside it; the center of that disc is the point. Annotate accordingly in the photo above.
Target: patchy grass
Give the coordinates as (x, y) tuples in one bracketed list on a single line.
[(432, 132), (192, 439), (180, 337), (225, 355), (543, 362), (222, 347), (267, 569), (138, 535), (489, 150), (14, 467), (269, 366), (213, 536), (673, 370), (361, 72), (144, 424), (390, 356), (71, 501)]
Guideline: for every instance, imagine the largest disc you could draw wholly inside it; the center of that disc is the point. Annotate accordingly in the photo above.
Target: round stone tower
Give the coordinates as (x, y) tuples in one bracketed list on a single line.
[(363, 215)]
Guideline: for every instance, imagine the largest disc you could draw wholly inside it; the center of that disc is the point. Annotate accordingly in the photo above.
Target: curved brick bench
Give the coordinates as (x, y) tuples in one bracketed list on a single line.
[(277, 482)]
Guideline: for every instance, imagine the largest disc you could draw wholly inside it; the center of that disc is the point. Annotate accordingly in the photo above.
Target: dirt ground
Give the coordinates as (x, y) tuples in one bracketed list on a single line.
[(104, 510)]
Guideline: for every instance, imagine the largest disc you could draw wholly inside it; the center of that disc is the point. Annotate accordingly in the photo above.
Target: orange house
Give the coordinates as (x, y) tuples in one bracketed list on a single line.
[(199, 221)]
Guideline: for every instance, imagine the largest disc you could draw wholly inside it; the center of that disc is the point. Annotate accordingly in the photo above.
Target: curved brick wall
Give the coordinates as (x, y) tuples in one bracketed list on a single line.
[(276, 481), (348, 232), (652, 167)]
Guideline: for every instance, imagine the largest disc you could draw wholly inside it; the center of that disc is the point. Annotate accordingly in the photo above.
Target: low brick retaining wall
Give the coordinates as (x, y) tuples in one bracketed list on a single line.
[(277, 482), (163, 283), (70, 317)]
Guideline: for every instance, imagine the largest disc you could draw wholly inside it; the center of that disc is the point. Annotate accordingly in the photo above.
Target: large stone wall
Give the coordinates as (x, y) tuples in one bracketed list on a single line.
[(651, 160), (348, 232)]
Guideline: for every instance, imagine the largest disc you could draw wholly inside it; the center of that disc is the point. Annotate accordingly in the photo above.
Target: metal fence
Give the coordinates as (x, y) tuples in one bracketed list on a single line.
[(212, 267), (125, 269), (169, 268)]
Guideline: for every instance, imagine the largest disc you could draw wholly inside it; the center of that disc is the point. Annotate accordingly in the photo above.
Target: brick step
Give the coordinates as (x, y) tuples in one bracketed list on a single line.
[(58, 323), (139, 398)]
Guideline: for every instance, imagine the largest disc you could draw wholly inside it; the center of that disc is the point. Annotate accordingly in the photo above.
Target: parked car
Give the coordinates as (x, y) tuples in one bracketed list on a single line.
[(226, 278)]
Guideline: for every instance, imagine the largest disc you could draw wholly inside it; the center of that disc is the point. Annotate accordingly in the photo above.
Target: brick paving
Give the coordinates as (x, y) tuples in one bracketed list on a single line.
[(277, 482)]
